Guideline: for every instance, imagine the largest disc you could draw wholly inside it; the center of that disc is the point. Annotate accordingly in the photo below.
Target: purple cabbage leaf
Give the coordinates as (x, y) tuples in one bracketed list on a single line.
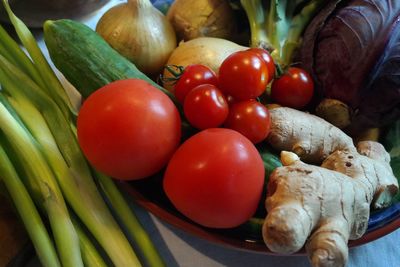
[(352, 50)]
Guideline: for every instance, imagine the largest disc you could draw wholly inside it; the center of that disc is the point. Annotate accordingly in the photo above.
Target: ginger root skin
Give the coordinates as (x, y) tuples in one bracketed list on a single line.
[(317, 207), (312, 138), (304, 207), (322, 207), (372, 166)]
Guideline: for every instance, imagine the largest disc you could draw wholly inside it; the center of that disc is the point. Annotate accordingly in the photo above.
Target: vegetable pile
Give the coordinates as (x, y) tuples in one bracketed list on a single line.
[(231, 128)]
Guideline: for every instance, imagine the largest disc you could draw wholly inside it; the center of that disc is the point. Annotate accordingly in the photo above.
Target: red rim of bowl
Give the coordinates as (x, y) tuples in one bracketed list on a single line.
[(215, 237)]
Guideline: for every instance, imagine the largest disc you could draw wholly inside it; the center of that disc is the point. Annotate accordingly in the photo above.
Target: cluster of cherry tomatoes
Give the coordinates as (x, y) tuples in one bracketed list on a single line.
[(131, 130), (231, 98)]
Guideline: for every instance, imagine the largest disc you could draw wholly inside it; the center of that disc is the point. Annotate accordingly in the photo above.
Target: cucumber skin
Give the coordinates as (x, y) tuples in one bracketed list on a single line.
[(253, 227), (271, 161), (86, 60)]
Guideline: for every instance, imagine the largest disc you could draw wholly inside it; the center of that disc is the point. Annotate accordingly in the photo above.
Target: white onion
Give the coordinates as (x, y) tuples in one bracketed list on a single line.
[(139, 32)]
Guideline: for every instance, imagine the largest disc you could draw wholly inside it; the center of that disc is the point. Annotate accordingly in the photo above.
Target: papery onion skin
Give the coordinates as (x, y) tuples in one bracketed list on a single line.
[(199, 18), (352, 50), (139, 32)]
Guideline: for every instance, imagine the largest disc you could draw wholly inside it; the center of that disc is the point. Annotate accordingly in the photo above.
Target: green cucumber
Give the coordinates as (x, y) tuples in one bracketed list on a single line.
[(271, 161), (85, 58), (252, 228)]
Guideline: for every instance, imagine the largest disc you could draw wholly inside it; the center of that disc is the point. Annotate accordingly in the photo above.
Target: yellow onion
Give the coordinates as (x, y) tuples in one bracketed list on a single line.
[(208, 51), (196, 18), (139, 32)]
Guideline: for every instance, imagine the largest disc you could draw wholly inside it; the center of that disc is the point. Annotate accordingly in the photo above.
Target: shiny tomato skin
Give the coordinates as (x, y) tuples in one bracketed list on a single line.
[(295, 88), (250, 118), (128, 129), (215, 178), (266, 56), (205, 107), (192, 76), (243, 75)]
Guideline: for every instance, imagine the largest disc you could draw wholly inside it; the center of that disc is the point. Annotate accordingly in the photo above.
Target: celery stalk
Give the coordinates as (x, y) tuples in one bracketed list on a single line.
[(259, 36), (278, 25), (28, 212), (52, 84), (70, 167), (299, 23), (29, 154)]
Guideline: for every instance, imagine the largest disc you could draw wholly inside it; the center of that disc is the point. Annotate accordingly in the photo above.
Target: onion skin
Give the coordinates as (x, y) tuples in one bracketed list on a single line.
[(139, 32), (201, 18), (208, 51)]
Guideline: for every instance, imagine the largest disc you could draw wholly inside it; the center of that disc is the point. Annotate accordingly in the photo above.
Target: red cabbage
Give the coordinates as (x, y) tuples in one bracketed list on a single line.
[(352, 50)]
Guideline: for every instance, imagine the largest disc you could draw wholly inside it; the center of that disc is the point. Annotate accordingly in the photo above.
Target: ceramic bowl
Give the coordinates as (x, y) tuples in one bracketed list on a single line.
[(148, 193)]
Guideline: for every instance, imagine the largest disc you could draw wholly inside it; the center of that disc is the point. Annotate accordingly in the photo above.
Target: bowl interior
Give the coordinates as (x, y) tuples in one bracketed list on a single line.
[(148, 193)]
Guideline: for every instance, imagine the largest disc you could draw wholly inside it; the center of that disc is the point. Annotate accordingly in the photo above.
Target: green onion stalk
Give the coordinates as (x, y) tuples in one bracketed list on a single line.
[(130, 221), (278, 25), (27, 210), (36, 104), (90, 255), (43, 75), (40, 176)]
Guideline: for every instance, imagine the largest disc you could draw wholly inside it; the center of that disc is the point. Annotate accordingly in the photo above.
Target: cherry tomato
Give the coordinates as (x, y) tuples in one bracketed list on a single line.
[(128, 129), (215, 178), (243, 75), (295, 88), (230, 100), (205, 107), (194, 75), (250, 118), (268, 60)]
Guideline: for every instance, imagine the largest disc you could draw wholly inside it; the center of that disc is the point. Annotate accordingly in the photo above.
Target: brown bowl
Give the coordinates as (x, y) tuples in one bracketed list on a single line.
[(148, 194)]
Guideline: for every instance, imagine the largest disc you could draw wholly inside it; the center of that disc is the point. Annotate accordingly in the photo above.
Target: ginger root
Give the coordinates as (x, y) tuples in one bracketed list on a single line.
[(322, 207), (310, 137), (371, 166)]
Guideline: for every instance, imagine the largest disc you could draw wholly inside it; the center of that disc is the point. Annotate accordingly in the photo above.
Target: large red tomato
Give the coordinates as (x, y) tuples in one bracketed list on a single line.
[(215, 178), (128, 129)]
